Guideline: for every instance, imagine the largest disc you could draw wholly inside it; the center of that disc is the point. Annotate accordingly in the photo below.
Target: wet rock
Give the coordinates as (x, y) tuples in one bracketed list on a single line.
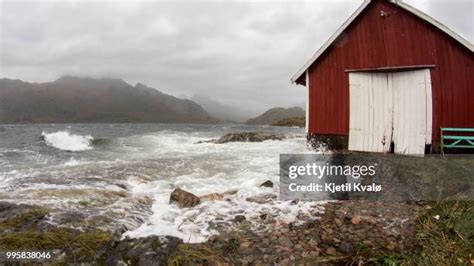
[(248, 137), (70, 217), (122, 186), (25, 227), (217, 196), (262, 199), (10, 210), (267, 183), (239, 218), (213, 196), (346, 248), (206, 141), (152, 250), (184, 199), (22, 217)]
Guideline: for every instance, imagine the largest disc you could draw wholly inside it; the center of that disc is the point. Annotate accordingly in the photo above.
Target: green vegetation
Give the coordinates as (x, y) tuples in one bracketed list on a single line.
[(193, 254), (232, 245), (22, 232), (222, 250), (85, 243), (24, 219), (274, 114), (444, 236)]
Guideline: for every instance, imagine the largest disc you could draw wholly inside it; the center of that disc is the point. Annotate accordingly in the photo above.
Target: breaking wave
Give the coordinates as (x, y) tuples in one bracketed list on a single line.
[(66, 141)]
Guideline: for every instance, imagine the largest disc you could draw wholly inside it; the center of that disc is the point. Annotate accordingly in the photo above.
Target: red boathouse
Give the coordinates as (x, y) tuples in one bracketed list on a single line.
[(388, 80)]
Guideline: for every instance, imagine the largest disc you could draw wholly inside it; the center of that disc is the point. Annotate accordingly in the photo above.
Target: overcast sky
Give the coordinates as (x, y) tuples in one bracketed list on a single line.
[(239, 53)]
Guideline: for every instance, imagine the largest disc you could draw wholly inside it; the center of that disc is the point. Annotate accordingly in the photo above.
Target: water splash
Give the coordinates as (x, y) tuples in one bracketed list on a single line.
[(66, 141)]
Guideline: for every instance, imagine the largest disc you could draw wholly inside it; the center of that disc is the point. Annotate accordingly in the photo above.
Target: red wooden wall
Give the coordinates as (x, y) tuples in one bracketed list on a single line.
[(400, 39)]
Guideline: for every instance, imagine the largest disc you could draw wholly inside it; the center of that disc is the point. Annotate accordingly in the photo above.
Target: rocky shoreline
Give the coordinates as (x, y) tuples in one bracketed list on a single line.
[(244, 137), (347, 232)]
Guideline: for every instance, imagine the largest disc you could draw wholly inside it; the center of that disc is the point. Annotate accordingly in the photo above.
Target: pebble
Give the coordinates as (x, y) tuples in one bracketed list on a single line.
[(285, 241), (356, 220), (331, 251)]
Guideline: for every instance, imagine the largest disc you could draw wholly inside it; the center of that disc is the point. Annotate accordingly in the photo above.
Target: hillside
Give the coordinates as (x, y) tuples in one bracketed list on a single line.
[(273, 115), (87, 100), (291, 122)]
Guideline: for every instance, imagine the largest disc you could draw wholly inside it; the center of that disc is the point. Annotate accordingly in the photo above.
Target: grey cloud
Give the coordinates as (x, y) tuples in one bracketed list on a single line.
[(456, 14), (239, 53)]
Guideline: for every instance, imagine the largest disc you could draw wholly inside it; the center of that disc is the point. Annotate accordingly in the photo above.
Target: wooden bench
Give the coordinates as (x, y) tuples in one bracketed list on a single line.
[(452, 141)]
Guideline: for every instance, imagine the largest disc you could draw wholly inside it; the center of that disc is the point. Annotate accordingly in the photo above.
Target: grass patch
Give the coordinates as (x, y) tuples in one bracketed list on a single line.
[(222, 251), (24, 219), (21, 232), (193, 254), (445, 234), (53, 239), (81, 245), (232, 245), (387, 260)]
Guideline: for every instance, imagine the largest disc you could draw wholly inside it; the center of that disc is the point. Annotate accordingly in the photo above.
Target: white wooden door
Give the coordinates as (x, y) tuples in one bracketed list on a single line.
[(412, 111), (386, 107), (370, 123)]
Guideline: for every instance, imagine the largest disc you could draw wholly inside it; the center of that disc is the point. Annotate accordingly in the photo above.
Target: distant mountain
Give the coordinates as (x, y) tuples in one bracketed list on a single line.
[(273, 115), (222, 111), (298, 121), (86, 100)]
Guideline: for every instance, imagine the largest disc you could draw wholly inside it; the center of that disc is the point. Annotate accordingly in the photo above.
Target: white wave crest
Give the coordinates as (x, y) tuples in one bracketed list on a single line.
[(66, 141)]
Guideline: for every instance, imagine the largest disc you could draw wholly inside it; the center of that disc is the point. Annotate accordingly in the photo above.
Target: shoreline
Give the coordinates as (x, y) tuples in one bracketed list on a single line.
[(347, 232)]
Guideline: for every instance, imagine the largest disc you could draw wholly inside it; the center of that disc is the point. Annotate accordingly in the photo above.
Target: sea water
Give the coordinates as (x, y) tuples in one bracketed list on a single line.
[(99, 175)]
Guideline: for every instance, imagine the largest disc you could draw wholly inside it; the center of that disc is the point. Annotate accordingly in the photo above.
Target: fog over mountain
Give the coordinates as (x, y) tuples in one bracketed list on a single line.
[(86, 100), (222, 111)]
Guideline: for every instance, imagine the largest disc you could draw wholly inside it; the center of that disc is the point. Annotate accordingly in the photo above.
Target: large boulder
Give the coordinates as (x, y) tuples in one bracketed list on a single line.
[(248, 137), (184, 199)]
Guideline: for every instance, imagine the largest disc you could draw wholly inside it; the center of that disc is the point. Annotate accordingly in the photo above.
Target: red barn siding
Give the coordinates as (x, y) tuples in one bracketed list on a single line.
[(400, 39)]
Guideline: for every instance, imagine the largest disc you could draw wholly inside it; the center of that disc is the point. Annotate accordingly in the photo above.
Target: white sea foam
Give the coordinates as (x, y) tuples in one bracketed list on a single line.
[(218, 168), (66, 141), (73, 162)]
